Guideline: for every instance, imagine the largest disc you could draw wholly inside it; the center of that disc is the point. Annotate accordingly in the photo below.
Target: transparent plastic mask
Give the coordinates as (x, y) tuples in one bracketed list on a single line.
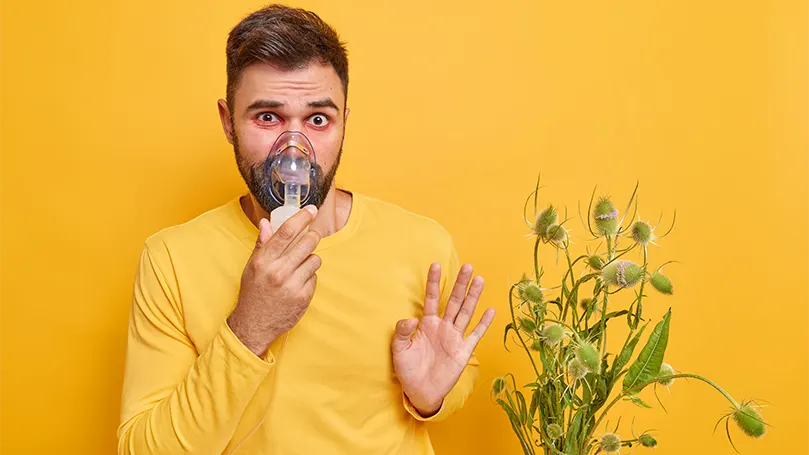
[(292, 169)]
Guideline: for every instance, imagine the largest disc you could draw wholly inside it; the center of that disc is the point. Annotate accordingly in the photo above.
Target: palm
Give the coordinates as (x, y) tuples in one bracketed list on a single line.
[(429, 362)]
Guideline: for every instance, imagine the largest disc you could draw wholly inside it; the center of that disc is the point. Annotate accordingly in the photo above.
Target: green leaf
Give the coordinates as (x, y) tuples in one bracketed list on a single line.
[(586, 388), (523, 408), (515, 425), (510, 326), (572, 439), (601, 390), (637, 401), (545, 362), (626, 354), (647, 365)]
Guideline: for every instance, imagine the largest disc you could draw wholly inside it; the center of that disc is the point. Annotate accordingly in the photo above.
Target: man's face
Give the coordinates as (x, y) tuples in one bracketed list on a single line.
[(268, 102)]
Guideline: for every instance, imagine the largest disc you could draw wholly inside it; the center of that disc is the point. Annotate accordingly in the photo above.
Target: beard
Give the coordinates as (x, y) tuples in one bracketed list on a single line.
[(258, 181)]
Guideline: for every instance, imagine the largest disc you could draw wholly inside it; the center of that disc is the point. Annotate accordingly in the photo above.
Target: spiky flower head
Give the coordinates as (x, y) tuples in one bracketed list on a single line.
[(622, 273), (666, 370), (587, 354), (610, 443), (662, 283), (498, 385), (647, 440), (641, 232), (552, 334), (554, 431), (530, 291), (595, 262), (749, 420), (576, 369), (556, 233), (588, 304), (545, 218), (606, 217)]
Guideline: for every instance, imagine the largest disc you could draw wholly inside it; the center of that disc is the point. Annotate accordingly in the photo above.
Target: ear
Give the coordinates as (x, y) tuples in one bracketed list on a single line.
[(224, 117), (348, 111)]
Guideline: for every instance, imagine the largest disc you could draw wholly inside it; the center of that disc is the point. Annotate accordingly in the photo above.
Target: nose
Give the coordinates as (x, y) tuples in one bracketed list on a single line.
[(295, 125)]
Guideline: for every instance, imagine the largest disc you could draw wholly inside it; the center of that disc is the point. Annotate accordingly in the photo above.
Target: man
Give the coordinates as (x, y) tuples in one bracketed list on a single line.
[(257, 342)]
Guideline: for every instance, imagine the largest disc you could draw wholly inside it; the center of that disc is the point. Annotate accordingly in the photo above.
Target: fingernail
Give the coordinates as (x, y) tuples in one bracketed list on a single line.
[(312, 209)]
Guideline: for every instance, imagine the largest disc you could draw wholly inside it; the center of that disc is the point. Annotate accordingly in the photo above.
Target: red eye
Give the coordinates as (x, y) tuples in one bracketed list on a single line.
[(319, 120), (267, 117)]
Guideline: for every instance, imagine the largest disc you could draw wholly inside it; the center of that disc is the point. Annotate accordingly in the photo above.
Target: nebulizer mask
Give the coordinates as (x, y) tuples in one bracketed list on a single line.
[(292, 169)]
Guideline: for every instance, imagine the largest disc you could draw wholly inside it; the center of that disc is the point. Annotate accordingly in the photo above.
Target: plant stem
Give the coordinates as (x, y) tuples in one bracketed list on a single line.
[(642, 282), (602, 340), (536, 260), (517, 329)]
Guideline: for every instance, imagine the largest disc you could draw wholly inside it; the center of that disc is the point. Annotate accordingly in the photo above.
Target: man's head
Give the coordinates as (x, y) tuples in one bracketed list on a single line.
[(286, 70)]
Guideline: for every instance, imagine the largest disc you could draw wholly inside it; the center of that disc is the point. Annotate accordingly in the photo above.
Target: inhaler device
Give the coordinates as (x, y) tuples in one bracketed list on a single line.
[(292, 169)]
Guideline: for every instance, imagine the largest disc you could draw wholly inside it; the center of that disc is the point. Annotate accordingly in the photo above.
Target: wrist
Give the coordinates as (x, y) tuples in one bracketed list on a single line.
[(254, 342), (426, 408)]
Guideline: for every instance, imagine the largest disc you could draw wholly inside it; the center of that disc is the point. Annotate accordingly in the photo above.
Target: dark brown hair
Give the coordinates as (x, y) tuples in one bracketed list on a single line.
[(286, 38)]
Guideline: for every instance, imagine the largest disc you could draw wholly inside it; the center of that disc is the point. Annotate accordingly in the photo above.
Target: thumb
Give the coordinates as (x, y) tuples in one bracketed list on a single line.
[(264, 233), (401, 338)]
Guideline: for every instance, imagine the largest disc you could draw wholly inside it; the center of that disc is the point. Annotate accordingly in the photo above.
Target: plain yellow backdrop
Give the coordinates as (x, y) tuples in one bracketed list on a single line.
[(110, 132)]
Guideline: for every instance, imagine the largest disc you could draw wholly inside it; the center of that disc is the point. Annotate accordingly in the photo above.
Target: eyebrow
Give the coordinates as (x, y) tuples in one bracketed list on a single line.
[(325, 102), (272, 104)]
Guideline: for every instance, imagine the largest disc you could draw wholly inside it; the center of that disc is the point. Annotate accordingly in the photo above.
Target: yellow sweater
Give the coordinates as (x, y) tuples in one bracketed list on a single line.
[(326, 387)]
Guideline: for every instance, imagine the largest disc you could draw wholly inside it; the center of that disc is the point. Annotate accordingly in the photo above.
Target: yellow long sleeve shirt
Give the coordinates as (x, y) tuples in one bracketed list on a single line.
[(326, 387)]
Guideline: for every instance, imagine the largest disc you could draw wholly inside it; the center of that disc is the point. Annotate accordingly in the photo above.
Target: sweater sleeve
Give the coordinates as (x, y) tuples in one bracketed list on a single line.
[(456, 397), (177, 400)]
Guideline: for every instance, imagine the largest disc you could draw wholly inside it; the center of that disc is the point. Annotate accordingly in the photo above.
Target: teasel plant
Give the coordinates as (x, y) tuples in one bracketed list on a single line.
[(563, 330)]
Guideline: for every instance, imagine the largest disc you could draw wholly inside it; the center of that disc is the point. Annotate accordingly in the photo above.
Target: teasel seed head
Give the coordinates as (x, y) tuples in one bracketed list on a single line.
[(647, 440), (545, 219), (622, 273), (610, 443), (641, 232), (553, 334), (588, 355), (666, 370), (595, 262), (606, 217), (662, 283), (554, 431), (749, 420)]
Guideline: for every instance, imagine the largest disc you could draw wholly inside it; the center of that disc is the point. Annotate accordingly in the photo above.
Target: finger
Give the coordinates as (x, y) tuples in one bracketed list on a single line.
[(433, 295), (264, 233), (401, 337), (289, 231), (307, 269), (298, 252), (468, 307), (310, 284), (480, 329), (458, 293)]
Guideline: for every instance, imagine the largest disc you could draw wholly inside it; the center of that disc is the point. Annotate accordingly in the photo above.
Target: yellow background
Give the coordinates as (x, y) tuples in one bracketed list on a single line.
[(110, 132)]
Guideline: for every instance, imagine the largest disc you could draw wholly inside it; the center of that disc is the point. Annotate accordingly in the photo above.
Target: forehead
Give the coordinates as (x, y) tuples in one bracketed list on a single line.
[(297, 86)]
